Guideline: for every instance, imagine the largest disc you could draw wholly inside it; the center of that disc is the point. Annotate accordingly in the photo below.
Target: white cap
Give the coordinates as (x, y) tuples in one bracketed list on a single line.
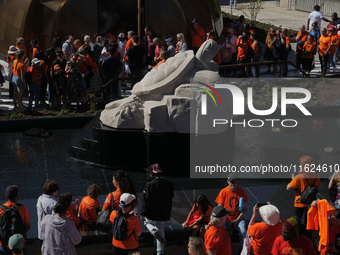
[(270, 214), (126, 199), (35, 61), (121, 35)]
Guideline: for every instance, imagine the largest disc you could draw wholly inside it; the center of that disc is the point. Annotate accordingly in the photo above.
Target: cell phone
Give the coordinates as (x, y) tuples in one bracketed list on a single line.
[(260, 204)]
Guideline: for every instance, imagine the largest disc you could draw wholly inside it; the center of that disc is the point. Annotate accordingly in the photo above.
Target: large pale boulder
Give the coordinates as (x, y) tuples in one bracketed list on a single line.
[(168, 99)]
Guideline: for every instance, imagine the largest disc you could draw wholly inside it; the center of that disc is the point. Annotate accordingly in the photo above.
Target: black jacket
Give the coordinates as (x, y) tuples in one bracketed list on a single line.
[(157, 199)]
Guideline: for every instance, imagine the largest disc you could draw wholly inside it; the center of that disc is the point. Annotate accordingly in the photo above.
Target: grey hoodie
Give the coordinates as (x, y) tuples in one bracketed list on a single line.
[(59, 236)]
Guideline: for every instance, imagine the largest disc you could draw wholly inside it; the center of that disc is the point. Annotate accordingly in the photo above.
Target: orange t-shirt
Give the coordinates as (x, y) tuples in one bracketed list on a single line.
[(33, 51), (71, 214), (310, 47), (324, 43), (18, 68), (230, 201), (303, 38), (198, 213), (35, 74), (334, 39), (88, 209), (217, 239), (23, 211), (116, 197), (197, 37), (263, 237), (300, 184), (256, 48), (133, 225), (160, 62), (128, 44), (242, 51)]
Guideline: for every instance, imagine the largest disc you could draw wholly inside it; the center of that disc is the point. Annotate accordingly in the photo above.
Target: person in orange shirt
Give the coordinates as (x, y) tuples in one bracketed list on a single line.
[(300, 38), (300, 183), (198, 216), (264, 233), (72, 207), (308, 51), (163, 56), (216, 239), (197, 35), (19, 70), (129, 43), (242, 48), (89, 208), (11, 194), (123, 184), (255, 45), (324, 48), (34, 48), (34, 86), (334, 44), (231, 197), (134, 230)]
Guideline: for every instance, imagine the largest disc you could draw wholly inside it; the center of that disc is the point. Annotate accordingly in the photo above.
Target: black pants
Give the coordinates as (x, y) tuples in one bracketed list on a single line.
[(298, 58), (324, 63)]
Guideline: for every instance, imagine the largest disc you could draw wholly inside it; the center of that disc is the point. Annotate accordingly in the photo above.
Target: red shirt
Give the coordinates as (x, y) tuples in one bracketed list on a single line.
[(72, 215), (217, 239), (197, 37), (35, 74), (230, 199), (302, 246)]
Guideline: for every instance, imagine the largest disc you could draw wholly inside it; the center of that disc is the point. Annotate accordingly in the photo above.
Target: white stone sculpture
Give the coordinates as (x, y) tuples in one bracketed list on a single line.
[(168, 98)]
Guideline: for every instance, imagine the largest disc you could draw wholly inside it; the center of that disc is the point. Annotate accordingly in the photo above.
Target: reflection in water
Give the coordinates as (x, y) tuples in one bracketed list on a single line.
[(20, 151)]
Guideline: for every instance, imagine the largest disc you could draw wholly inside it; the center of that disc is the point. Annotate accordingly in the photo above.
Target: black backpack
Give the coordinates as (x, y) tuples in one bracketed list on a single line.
[(309, 194), (120, 228), (10, 223), (28, 77), (250, 53)]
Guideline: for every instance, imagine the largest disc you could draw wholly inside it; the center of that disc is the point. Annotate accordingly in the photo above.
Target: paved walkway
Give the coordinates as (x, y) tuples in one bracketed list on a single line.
[(271, 14)]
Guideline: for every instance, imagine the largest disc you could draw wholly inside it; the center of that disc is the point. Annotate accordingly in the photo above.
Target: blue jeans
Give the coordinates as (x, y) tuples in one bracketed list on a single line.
[(34, 94), (153, 227), (234, 3), (242, 231), (331, 60)]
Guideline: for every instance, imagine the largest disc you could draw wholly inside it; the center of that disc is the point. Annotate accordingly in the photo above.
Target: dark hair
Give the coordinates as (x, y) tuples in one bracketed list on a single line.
[(65, 198), (40, 55), (135, 39), (337, 214), (317, 8), (254, 35), (60, 208), (203, 201), (50, 187), (111, 50), (20, 54), (56, 43), (34, 42), (244, 38), (93, 191), (125, 182)]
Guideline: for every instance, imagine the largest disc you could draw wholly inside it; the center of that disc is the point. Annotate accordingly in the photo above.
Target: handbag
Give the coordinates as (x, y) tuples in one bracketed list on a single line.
[(246, 245), (103, 221), (309, 194)]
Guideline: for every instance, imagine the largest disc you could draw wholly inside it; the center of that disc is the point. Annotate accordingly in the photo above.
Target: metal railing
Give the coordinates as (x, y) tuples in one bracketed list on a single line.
[(257, 64), (327, 6)]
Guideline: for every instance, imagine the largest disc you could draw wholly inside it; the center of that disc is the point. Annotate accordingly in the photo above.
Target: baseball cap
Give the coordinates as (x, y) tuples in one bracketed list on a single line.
[(169, 40), (121, 35), (155, 168), (35, 61), (232, 177), (219, 211), (16, 242), (58, 51), (194, 21), (125, 199)]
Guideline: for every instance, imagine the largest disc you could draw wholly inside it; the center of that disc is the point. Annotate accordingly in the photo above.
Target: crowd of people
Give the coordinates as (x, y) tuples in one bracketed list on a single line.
[(71, 68), (63, 222)]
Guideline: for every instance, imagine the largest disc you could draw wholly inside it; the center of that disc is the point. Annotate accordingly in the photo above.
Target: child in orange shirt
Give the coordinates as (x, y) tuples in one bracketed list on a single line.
[(199, 215), (308, 51)]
